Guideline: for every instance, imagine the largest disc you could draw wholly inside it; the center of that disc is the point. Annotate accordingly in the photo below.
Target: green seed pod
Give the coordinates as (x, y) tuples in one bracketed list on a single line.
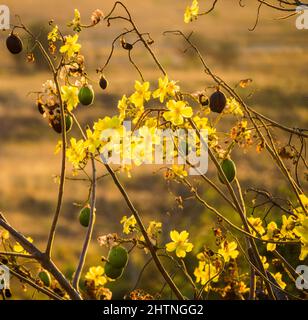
[(84, 216), (118, 257), (103, 82), (68, 123), (14, 44), (229, 169), (86, 95), (218, 101), (113, 272), (56, 123), (45, 277)]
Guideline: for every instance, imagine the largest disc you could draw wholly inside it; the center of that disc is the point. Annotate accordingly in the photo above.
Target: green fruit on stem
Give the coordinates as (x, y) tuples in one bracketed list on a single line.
[(68, 123), (118, 257), (113, 272), (56, 123), (103, 82), (45, 277), (84, 216), (218, 101), (229, 169), (86, 95), (14, 44)]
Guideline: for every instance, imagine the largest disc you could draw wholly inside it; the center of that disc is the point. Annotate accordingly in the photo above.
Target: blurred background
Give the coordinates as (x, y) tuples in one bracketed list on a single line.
[(274, 55)]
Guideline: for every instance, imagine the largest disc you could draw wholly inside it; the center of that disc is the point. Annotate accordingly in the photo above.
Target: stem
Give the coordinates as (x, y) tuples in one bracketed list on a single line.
[(89, 231), (150, 246), (42, 258), (62, 175), (238, 206)]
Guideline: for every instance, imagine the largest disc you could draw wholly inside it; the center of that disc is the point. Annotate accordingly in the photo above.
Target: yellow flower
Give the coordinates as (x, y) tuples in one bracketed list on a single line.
[(154, 229), (257, 224), (272, 231), (141, 94), (58, 147), (93, 141), (75, 23), (180, 243), (70, 96), (19, 248), (179, 170), (54, 35), (107, 123), (71, 46), (122, 106), (264, 262), (177, 112), (302, 232), (4, 235), (76, 153), (191, 12), (96, 274), (288, 224), (234, 107), (165, 87), (129, 224), (228, 250), (242, 288), (205, 272), (278, 278)]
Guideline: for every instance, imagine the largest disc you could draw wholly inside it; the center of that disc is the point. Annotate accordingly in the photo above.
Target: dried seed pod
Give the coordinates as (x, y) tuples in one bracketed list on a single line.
[(14, 44), (203, 100), (103, 82), (7, 293), (218, 101), (126, 45), (40, 107)]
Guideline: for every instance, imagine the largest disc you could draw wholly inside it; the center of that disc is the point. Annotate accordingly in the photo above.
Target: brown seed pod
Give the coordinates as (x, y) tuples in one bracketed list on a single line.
[(103, 82), (14, 44), (8, 293), (40, 107), (218, 101), (126, 45)]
